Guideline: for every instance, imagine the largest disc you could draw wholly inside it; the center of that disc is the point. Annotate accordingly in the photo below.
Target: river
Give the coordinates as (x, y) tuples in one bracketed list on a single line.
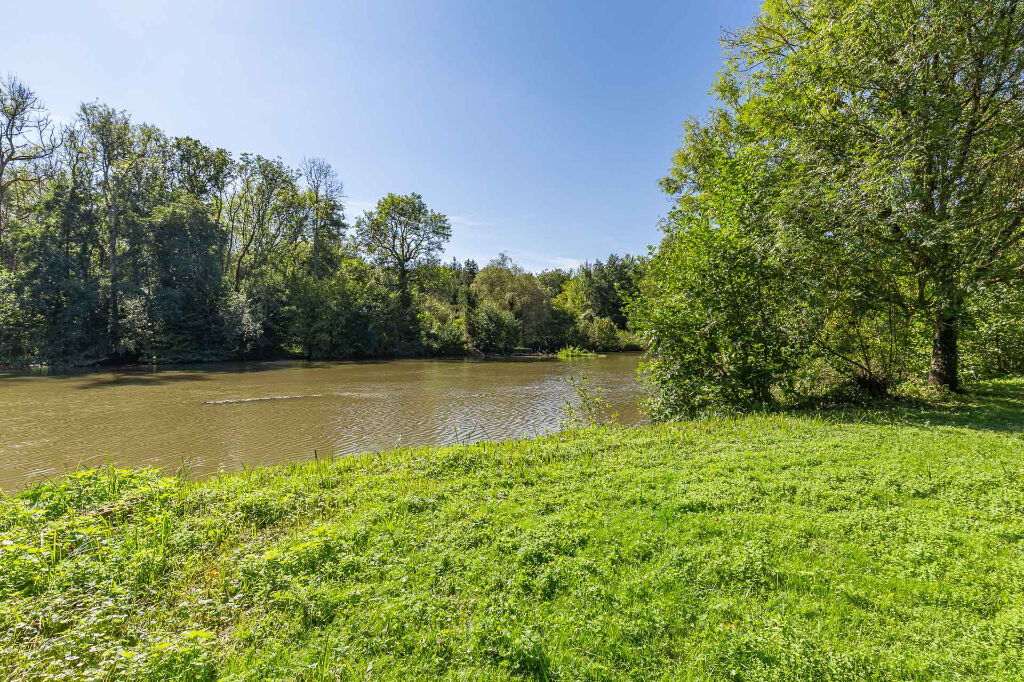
[(230, 415)]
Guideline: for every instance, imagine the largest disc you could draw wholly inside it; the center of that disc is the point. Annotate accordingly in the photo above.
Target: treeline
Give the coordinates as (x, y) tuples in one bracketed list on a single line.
[(850, 217), (120, 244)]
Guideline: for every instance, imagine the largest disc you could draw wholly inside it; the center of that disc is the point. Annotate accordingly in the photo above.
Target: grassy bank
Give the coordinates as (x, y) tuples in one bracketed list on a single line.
[(850, 546)]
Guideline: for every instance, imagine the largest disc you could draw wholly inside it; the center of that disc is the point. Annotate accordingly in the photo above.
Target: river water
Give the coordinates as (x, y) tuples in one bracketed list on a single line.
[(229, 415)]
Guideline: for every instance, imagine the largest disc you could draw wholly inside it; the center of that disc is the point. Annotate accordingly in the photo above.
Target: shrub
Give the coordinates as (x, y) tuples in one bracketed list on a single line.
[(442, 330), (712, 311), (993, 341), (494, 330), (573, 352), (600, 333)]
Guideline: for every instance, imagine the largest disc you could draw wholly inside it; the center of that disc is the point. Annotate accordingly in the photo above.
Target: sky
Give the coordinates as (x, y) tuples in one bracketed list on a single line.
[(540, 128)]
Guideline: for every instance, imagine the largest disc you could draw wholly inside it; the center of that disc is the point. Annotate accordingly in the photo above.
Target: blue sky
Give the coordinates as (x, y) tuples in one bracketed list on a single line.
[(540, 128)]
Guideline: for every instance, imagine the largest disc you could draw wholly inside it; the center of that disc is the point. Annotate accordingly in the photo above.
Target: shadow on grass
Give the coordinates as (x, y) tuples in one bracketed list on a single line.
[(988, 406)]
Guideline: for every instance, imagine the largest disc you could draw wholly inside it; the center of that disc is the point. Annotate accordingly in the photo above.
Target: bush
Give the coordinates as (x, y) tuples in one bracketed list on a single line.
[(993, 340), (712, 311), (494, 330), (600, 333), (442, 330), (573, 352)]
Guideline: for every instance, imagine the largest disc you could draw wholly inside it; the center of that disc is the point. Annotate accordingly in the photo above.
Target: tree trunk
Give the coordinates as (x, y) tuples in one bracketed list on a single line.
[(945, 351)]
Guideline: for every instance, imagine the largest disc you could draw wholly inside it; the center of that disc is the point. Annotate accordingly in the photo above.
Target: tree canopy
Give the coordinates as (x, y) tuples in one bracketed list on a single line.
[(863, 167), (121, 244)]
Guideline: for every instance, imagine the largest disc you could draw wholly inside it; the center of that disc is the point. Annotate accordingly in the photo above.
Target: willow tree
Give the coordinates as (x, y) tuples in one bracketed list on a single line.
[(903, 124)]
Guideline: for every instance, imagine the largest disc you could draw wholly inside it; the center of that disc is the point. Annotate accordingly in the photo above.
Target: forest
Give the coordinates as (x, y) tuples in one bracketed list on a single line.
[(120, 244)]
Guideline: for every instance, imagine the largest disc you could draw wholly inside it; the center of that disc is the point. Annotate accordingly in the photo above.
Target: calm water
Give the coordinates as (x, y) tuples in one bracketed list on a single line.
[(234, 414)]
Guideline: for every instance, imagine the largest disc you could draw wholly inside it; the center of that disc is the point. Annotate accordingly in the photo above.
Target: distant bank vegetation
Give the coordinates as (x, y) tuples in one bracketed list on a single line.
[(121, 244)]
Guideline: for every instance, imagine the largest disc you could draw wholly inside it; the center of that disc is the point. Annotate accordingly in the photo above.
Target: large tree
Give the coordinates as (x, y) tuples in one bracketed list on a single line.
[(26, 137), (119, 149), (401, 232), (324, 208), (264, 213), (864, 175), (902, 128)]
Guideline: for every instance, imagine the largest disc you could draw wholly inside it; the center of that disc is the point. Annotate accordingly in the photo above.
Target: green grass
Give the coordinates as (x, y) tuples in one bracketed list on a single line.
[(574, 353), (853, 545)]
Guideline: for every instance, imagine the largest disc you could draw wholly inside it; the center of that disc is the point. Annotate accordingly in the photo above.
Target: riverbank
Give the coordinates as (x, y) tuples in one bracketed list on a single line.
[(855, 545), (569, 352)]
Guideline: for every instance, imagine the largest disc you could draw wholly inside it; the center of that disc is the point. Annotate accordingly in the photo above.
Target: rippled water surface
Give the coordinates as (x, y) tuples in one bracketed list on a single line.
[(234, 414)]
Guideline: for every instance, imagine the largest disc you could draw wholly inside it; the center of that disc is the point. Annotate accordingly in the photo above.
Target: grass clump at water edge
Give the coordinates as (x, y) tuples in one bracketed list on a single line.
[(765, 547), (575, 353)]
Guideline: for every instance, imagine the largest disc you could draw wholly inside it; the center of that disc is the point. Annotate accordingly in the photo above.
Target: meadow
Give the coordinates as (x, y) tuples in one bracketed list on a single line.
[(843, 545)]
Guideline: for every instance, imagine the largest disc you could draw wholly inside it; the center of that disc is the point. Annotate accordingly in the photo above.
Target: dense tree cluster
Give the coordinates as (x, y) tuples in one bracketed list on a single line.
[(121, 244), (851, 213)]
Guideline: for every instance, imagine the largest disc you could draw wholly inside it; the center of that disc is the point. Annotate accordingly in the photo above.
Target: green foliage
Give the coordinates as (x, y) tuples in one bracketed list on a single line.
[(335, 316), (495, 330), (442, 328), (714, 313), (994, 335), (186, 281), (852, 545), (131, 246), (401, 232), (599, 333), (13, 321), (505, 286), (574, 352), (587, 406), (860, 178)]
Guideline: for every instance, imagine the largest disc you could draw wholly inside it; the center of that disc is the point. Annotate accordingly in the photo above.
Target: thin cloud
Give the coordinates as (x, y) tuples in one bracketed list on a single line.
[(357, 207), (565, 263), (468, 221)]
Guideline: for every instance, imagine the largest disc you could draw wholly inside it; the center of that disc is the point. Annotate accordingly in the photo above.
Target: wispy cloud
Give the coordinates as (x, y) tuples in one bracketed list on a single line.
[(468, 221), (564, 262), (355, 207)]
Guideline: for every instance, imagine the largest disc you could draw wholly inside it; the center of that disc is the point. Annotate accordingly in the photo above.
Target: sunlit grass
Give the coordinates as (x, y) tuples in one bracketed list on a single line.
[(850, 545), (574, 353)]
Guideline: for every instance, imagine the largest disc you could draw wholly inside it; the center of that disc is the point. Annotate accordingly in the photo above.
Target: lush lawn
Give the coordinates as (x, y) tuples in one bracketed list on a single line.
[(849, 546)]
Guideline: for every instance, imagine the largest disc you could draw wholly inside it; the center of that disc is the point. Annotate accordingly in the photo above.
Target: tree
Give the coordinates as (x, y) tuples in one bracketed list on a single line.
[(552, 281), (59, 254), (202, 172), (862, 178), (121, 244), (264, 211), (508, 287), (612, 282), (325, 211), (118, 151), (903, 127), (401, 232), (25, 138), (187, 279)]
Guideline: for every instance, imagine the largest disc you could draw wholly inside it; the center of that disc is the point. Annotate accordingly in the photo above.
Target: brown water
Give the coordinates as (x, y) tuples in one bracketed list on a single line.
[(234, 414)]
